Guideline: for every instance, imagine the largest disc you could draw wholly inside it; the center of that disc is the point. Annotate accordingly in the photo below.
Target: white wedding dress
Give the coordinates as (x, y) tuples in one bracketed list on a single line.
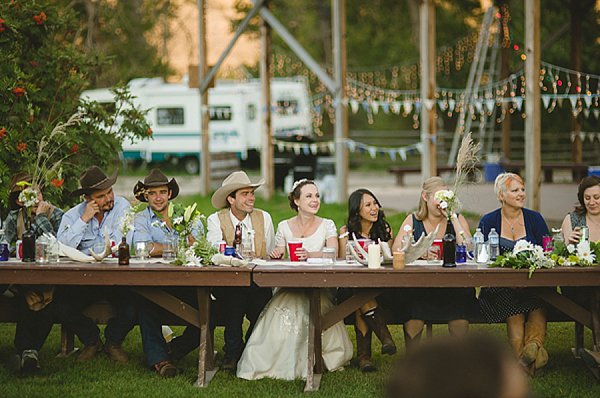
[(278, 346)]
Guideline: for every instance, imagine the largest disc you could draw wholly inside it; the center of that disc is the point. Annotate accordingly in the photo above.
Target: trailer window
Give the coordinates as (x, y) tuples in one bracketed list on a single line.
[(108, 106), (287, 107), (251, 112), (168, 116), (220, 113)]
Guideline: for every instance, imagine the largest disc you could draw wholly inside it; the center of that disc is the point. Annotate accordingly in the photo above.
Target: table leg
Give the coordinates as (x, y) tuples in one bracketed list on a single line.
[(595, 312), (315, 351), (206, 368)]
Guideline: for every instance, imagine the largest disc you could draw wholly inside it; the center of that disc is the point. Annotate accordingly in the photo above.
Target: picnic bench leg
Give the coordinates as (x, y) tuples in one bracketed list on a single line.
[(578, 340), (67, 342), (315, 352), (399, 178), (548, 175), (206, 368)]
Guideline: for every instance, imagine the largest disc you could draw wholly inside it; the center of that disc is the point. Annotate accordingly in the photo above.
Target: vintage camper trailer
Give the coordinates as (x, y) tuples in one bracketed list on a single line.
[(234, 117)]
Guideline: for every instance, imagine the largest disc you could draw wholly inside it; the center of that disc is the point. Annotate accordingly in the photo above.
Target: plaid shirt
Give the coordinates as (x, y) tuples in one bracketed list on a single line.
[(41, 224)]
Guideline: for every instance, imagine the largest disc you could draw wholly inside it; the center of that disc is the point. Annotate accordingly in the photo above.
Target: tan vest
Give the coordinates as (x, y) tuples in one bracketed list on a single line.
[(258, 223)]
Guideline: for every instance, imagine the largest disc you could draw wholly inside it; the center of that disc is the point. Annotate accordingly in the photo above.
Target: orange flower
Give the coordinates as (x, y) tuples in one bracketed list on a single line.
[(2, 132), (39, 19), (74, 147), (30, 118), (19, 91), (57, 183), (1, 25), (33, 63), (149, 131), (21, 146)]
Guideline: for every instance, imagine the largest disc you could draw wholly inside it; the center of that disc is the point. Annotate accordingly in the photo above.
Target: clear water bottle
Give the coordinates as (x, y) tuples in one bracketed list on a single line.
[(3, 246), (478, 240), (494, 240)]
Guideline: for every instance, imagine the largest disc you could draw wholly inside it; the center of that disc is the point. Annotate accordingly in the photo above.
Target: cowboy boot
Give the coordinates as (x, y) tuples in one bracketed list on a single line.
[(411, 342), (517, 346), (376, 323), (533, 341), (363, 351)]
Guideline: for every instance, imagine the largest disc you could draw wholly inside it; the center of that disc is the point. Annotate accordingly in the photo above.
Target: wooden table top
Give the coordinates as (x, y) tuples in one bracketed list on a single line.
[(274, 274), (108, 272)]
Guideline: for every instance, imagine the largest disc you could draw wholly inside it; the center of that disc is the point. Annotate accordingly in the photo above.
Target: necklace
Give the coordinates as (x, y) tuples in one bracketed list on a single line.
[(302, 233), (512, 228), (431, 224)]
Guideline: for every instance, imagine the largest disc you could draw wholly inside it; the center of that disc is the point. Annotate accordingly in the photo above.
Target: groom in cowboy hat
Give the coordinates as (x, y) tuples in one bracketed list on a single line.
[(235, 199), (81, 227)]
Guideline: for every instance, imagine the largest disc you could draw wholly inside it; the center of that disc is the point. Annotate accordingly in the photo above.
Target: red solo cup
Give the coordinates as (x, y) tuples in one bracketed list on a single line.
[(221, 245), (438, 243), (19, 249), (292, 247), (112, 244)]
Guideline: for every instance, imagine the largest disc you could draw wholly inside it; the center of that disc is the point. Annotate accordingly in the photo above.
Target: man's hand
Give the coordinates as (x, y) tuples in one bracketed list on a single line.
[(91, 208), (42, 207)]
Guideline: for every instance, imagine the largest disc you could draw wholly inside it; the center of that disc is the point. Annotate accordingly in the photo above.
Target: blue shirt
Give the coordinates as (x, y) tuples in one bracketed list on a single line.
[(146, 232), (74, 232), (535, 226)]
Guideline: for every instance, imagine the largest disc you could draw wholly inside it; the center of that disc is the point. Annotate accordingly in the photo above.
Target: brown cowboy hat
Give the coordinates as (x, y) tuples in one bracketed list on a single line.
[(94, 179), (20, 176), (233, 182), (155, 178)]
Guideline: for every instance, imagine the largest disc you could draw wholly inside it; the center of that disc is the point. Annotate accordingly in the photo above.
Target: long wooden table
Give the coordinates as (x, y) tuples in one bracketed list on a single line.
[(370, 282), (146, 279)]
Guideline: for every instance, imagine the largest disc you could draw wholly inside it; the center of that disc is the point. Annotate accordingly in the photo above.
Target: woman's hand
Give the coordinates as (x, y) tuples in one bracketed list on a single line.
[(276, 253), (575, 236), (302, 253)]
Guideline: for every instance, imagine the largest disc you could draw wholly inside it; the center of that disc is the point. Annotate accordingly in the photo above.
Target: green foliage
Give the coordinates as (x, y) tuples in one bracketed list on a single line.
[(41, 77)]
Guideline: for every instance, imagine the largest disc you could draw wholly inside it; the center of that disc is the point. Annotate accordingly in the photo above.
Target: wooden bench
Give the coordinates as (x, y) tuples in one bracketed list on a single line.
[(400, 171), (578, 170)]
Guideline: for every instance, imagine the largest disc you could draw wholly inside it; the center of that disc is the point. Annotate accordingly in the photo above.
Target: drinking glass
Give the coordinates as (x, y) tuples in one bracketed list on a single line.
[(434, 253), (169, 245), (329, 255), (142, 250), (98, 247)]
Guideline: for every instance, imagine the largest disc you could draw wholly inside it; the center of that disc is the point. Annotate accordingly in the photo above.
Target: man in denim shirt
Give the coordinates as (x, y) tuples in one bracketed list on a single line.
[(81, 227), (157, 190)]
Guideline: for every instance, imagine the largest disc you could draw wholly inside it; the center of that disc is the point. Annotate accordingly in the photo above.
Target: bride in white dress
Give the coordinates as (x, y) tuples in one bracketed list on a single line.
[(278, 346)]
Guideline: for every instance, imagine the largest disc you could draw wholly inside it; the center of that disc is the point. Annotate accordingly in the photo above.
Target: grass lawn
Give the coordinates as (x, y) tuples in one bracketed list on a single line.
[(62, 377)]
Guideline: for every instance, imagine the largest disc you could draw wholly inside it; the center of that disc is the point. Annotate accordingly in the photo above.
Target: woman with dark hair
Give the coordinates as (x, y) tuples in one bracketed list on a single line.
[(586, 214), (278, 345), (366, 220)]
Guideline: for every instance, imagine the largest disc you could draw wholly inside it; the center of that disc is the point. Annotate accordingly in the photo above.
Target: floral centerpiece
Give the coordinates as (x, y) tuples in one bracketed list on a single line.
[(583, 254), (186, 221), (448, 201), (525, 255), (127, 219)]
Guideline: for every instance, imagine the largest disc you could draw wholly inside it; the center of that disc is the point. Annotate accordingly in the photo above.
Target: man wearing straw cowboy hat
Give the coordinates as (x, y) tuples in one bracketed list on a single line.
[(235, 198), (81, 227)]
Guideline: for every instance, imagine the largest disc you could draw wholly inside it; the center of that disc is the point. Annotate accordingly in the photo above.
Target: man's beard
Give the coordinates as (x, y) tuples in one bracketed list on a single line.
[(108, 206)]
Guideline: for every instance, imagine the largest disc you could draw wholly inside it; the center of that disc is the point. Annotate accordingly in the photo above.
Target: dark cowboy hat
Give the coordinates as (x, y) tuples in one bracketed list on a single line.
[(155, 178), (94, 179), (20, 176)]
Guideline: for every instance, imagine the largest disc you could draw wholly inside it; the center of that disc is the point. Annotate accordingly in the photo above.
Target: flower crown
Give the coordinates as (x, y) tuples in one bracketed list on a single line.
[(298, 183)]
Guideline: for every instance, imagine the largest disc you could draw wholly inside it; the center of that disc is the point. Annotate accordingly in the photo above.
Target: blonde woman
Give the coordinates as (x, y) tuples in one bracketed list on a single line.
[(524, 312), (440, 304), (278, 346)]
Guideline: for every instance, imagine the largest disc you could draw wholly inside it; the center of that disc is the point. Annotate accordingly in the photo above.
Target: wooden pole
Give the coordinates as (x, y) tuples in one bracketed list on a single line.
[(533, 152), (266, 155), (341, 107), (205, 178), (505, 73), (576, 49), (427, 57)]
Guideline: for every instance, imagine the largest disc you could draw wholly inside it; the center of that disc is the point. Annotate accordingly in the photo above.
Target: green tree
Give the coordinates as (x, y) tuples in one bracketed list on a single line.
[(41, 77), (132, 33)]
